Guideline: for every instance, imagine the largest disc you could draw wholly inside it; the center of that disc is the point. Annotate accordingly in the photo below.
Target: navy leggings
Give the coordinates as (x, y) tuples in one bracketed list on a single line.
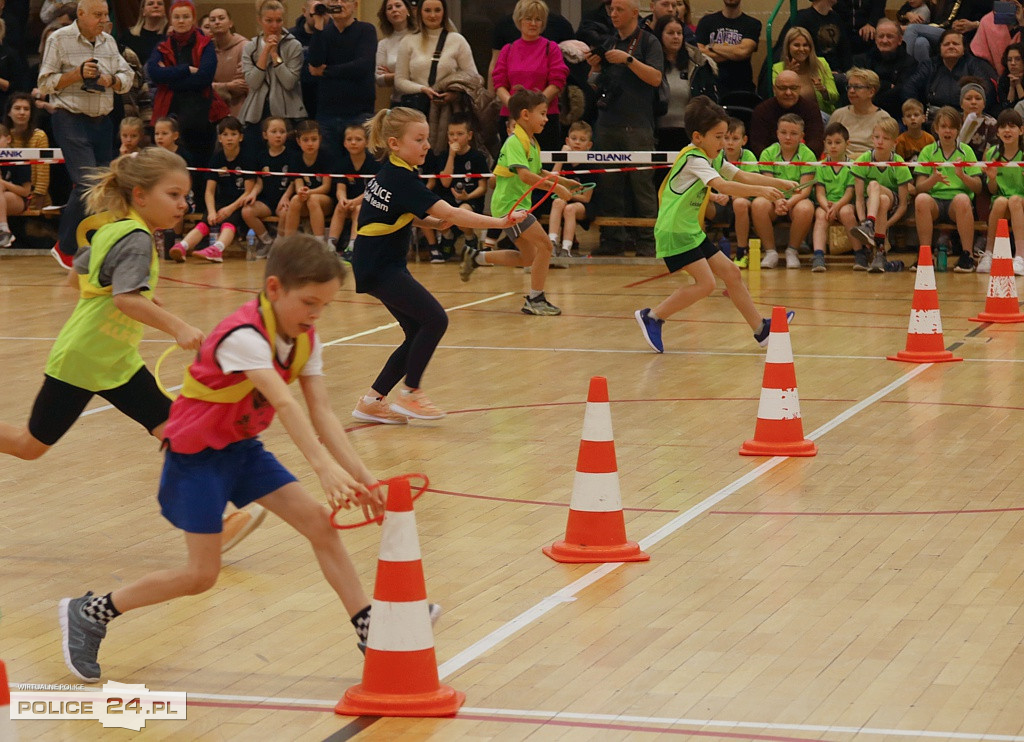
[(422, 318)]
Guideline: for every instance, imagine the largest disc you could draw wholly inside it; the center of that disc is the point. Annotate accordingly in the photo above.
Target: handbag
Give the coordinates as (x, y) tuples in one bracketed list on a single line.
[(421, 101)]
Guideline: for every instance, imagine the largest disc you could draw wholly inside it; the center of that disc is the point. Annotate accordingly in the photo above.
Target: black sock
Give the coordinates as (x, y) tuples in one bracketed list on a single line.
[(361, 622), (100, 609)]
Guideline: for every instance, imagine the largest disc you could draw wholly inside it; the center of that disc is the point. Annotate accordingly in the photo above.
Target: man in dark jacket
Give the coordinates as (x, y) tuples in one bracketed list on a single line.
[(787, 99), (937, 81), (859, 18), (305, 26), (889, 58)]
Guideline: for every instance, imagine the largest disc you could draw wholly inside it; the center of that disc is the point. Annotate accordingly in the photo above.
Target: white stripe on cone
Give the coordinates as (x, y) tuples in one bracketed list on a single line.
[(597, 422), (1002, 287), (400, 627), (780, 348), (925, 322), (1002, 249), (596, 493), (778, 404), (925, 278), (398, 541)]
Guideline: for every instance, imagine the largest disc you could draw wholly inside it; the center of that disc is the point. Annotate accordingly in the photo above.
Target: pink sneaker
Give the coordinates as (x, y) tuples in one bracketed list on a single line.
[(414, 403), (378, 411), (211, 253), (177, 252)]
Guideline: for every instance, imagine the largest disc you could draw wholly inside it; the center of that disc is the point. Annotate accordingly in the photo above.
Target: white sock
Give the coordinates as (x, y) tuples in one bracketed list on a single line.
[(653, 316), (566, 245), (553, 237), (352, 244), (218, 246), (534, 294), (4, 227), (480, 259), (265, 238)]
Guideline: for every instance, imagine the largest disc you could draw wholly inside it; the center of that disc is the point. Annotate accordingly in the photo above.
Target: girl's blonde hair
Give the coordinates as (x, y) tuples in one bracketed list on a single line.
[(110, 189), (813, 65), (387, 123), (132, 122), (265, 5), (136, 29)]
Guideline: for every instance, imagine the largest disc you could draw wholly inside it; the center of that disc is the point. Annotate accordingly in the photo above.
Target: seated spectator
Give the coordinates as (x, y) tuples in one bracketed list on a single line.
[(937, 81), (354, 160), (228, 81), (979, 129), (859, 19), (1006, 187), (764, 122), (824, 24), (15, 187), (833, 194), (862, 115), (566, 216), (994, 35), (131, 135), (1010, 88), (910, 143), (729, 37), (394, 21), (798, 206), (913, 11), (946, 194), (962, 16), (535, 63), (891, 62), (734, 210), (272, 194), (148, 31), (20, 119), (815, 75)]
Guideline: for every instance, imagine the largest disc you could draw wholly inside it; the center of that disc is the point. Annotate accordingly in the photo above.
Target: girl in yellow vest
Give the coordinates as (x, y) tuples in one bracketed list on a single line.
[(97, 351), (679, 230)]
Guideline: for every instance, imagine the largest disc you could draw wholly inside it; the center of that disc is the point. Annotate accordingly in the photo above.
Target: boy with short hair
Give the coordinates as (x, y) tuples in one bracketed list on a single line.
[(833, 188), (795, 205), (946, 194), (214, 456), (462, 158), (722, 208), (910, 143), (881, 195), (566, 215)]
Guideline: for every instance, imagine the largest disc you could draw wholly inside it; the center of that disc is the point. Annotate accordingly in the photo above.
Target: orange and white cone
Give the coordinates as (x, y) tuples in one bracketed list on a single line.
[(596, 531), (400, 672), (779, 430), (924, 335), (7, 731), (1001, 304)]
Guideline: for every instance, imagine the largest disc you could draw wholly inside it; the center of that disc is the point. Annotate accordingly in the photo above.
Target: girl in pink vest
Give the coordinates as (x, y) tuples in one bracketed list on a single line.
[(213, 456)]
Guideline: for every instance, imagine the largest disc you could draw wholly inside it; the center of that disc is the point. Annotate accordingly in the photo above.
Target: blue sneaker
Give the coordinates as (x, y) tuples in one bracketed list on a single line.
[(651, 328), (761, 336)]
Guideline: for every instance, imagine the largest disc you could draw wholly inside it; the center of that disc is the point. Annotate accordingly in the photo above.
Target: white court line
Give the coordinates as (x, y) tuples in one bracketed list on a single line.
[(568, 593), (627, 719), (389, 325), (12, 337)]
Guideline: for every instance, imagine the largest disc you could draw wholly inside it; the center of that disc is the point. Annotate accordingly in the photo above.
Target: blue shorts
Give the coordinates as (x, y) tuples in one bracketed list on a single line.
[(196, 487)]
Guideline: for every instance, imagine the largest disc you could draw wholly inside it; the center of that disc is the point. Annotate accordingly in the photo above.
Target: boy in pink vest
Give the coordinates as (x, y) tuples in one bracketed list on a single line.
[(237, 382)]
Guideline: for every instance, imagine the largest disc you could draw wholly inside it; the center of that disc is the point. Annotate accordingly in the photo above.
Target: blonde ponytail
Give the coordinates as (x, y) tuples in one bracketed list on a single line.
[(387, 123), (110, 188)]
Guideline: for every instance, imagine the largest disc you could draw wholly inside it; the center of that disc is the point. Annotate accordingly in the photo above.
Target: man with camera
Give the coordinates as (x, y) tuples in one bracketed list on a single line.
[(626, 70), (81, 70), (344, 56)]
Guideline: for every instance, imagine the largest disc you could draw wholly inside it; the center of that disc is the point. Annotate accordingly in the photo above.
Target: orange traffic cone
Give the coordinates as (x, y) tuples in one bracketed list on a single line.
[(924, 336), (779, 430), (1001, 304), (400, 673), (596, 531), (7, 731)]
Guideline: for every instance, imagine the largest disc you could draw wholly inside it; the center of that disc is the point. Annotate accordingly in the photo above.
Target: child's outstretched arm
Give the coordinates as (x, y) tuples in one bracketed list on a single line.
[(531, 179), (331, 431), (748, 190), (464, 218), (762, 180), (341, 488), (141, 309)]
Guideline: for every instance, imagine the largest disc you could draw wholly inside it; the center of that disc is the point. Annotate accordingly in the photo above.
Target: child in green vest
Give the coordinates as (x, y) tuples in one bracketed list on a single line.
[(797, 205), (1006, 184), (517, 169), (678, 231)]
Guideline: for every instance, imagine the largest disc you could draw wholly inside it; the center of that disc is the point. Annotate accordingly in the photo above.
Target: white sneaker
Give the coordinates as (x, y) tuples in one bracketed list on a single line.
[(792, 257), (984, 263), (770, 259), (1018, 265)]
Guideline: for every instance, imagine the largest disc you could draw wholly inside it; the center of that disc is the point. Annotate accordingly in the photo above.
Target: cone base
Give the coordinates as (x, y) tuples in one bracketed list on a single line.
[(924, 356), (566, 553), (445, 701), (1001, 319), (768, 448)]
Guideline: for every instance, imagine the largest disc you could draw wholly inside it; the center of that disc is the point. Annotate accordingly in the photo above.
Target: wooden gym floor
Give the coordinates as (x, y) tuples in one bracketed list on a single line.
[(873, 592)]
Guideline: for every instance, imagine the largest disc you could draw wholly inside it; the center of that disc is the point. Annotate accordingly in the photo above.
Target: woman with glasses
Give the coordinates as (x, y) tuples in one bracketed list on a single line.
[(862, 114)]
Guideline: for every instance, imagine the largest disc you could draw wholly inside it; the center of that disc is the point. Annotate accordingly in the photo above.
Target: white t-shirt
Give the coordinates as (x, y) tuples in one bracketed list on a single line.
[(698, 168), (246, 349)]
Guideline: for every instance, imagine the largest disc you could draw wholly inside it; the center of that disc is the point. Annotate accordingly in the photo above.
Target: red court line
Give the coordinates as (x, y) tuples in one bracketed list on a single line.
[(536, 502), (202, 285), (645, 280), (535, 722), (972, 511)]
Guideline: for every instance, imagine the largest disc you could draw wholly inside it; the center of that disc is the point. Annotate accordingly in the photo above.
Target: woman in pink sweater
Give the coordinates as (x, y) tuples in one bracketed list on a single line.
[(535, 63)]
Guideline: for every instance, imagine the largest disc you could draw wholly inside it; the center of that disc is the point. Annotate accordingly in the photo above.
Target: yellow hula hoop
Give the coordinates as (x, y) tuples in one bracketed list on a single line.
[(156, 371)]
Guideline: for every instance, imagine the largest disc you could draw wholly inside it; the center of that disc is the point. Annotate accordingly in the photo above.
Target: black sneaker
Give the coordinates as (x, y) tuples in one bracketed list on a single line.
[(894, 266), (436, 256), (761, 336), (468, 263), (965, 264), (860, 260), (447, 248), (81, 639)]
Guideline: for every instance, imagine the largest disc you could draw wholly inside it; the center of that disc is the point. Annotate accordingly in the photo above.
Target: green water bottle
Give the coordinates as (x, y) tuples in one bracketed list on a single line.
[(942, 259)]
